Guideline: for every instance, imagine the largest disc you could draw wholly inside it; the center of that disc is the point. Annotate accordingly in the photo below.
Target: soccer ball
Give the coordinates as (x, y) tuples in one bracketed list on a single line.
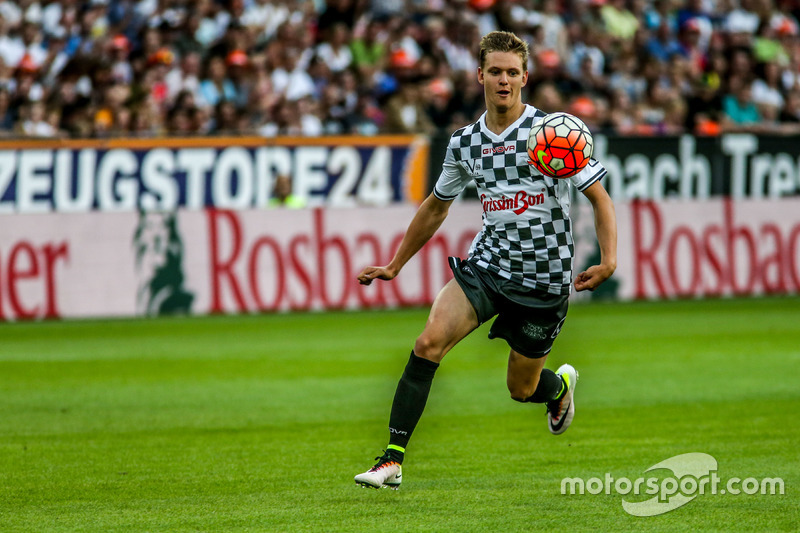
[(560, 145)]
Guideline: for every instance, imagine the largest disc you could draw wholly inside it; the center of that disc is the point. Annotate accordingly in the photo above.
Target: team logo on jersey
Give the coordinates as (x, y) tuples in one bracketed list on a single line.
[(519, 203), (499, 149), (474, 167)]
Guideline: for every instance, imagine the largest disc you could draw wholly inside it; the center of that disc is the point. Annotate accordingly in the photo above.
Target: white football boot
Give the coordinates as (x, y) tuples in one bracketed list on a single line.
[(560, 412), (385, 473)]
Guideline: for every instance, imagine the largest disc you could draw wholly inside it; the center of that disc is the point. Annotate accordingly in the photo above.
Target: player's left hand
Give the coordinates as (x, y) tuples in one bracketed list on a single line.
[(592, 277)]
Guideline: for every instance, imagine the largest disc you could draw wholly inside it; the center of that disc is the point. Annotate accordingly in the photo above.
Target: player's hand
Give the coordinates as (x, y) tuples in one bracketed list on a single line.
[(373, 272), (592, 277)]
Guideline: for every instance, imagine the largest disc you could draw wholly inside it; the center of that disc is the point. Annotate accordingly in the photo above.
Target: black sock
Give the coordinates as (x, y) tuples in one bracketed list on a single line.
[(550, 387), (409, 402)]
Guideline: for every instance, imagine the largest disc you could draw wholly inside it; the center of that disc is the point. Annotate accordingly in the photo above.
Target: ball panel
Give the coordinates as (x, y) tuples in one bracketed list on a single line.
[(560, 145)]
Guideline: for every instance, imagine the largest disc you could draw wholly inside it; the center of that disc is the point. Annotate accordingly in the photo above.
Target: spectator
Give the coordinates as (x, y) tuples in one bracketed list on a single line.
[(619, 22), (335, 53), (548, 69), (691, 48), (179, 122), (790, 114), (335, 112), (694, 11), (282, 196), (25, 83), (256, 17), (659, 14), (285, 120), (226, 119), (663, 44), (625, 77), (337, 12), (470, 103), (122, 123), (456, 46), (621, 114), (212, 25), (155, 77), (547, 98), (704, 106), (674, 122), (7, 117), (118, 49), (439, 103), (589, 80), (554, 31), (677, 77), (767, 47), (216, 86), (588, 43), (263, 99), (310, 122), (186, 77), (739, 111), (766, 88), (366, 118), (369, 52), (34, 122), (740, 63), (741, 23), (405, 112), (240, 75), (290, 78), (234, 38), (586, 108), (28, 48), (790, 75)]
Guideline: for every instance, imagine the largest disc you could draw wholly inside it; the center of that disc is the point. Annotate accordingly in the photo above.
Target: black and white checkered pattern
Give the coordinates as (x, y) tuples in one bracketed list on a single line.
[(530, 246)]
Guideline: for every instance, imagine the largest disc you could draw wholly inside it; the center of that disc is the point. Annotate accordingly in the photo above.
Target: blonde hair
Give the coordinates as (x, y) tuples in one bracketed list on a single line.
[(503, 41)]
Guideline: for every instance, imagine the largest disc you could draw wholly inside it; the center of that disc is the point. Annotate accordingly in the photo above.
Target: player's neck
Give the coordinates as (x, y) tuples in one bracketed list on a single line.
[(498, 120)]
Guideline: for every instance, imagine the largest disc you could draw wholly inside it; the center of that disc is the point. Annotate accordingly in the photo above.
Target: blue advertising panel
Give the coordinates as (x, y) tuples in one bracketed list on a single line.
[(234, 173)]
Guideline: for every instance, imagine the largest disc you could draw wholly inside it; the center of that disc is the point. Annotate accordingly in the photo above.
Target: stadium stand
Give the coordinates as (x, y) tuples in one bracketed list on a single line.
[(106, 68)]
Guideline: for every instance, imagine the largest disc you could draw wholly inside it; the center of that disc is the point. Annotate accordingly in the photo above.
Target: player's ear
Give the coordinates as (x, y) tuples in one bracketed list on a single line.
[(480, 75), (524, 78)]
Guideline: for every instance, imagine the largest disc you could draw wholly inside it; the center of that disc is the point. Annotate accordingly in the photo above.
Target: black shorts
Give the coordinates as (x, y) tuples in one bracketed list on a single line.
[(529, 320)]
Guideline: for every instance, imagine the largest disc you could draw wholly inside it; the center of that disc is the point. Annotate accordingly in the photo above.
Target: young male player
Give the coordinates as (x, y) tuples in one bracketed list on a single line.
[(519, 266)]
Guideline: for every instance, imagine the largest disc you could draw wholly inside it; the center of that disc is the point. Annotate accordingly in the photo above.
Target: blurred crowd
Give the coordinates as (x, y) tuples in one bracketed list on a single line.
[(102, 68)]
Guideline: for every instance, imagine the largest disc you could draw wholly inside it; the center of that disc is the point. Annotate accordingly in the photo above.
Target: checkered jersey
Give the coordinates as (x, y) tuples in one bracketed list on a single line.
[(526, 235)]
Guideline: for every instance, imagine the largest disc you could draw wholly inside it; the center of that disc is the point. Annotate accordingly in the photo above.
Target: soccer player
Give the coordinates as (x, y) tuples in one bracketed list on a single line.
[(519, 266)]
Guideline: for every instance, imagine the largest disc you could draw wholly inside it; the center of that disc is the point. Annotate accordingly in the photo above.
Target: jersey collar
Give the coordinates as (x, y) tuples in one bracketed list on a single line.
[(529, 111)]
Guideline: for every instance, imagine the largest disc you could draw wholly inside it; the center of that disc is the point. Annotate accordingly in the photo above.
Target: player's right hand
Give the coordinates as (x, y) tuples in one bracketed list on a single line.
[(373, 272)]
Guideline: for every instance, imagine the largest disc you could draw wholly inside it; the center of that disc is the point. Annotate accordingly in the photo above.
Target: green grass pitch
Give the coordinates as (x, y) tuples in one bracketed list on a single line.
[(259, 423)]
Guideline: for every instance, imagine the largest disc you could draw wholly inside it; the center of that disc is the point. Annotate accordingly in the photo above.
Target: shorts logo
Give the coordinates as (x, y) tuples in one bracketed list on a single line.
[(534, 331), (558, 328)]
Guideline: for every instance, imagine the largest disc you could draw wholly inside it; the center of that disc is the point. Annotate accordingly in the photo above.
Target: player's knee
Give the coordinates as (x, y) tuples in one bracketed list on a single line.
[(427, 347), (519, 397), (520, 394)]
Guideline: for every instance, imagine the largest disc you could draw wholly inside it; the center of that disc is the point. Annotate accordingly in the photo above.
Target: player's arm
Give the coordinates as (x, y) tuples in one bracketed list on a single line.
[(426, 221), (605, 224)]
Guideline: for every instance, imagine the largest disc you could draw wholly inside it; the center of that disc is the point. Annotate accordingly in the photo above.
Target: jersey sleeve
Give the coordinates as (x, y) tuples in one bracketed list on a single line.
[(453, 179), (593, 172)]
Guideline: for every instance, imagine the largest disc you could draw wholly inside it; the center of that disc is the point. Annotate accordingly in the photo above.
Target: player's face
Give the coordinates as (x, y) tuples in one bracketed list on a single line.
[(503, 75)]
